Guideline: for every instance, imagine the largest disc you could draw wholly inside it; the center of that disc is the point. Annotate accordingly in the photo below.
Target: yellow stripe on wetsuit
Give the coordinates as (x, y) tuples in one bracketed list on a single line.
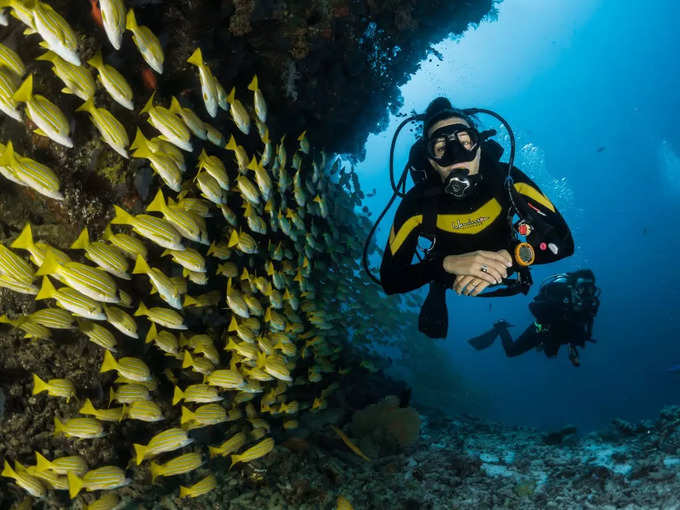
[(535, 195)]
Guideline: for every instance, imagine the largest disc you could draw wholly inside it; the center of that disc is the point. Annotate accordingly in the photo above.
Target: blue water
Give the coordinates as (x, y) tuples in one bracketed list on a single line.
[(571, 79)]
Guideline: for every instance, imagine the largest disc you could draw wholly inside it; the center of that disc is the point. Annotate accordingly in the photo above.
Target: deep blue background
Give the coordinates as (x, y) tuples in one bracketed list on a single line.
[(571, 79)]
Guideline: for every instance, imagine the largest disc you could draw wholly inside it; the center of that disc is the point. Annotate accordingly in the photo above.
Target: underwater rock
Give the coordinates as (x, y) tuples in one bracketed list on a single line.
[(558, 436), (387, 427)]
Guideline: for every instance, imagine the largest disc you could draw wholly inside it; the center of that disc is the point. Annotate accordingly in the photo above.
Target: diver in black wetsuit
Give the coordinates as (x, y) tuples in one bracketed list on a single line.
[(564, 308), (462, 204)]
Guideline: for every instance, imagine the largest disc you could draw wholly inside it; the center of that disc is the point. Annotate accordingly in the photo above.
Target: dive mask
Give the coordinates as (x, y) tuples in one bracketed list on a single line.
[(456, 143)]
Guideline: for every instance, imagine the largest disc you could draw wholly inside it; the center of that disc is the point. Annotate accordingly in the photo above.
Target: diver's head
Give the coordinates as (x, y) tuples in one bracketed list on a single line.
[(453, 147)]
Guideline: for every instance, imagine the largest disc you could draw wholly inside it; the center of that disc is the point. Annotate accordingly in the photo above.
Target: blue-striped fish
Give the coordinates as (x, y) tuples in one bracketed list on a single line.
[(254, 452), (114, 83), (71, 300), (111, 414), (214, 166), (143, 410), (161, 163), (113, 19), (238, 113), (158, 230), (197, 363), (98, 334), (84, 428), (77, 79), (109, 501), (106, 256), (121, 320), (193, 122), (207, 414), (167, 441), (38, 249), (163, 284), (162, 316), (210, 188), (61, 465), (14, 267), (128, 244), (55, 31), (201, 487), (128, 393), (90, 281), (230, 445), (54, 387), (30, 328), (110, 129), (132, 368), (164, 340), (189, 259), (169, 124), (146, 41), (53, 318), (24, 480), (240, 154), (200, 393), (211, 298), (8, 105), (208, 82), (103, 478), (11, 60), (183, 221), (21, 287), (258, 100), (225, 378), (29, 172), (183, 464), (50, 120), (213, 134)]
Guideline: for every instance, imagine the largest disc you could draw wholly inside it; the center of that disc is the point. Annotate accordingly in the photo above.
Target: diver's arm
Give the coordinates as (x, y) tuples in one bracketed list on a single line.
[(551, 231), (397, 273)]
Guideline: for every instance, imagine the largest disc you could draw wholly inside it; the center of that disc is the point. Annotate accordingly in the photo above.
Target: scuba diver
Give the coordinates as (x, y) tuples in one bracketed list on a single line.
[(564, 308), (464, 201)]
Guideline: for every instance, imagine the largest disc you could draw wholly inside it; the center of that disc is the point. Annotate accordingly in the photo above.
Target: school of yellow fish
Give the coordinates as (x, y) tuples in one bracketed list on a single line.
[(284, 249)]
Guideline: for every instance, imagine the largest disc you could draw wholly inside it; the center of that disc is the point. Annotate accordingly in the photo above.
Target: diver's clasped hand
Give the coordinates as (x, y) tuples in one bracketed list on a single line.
[(476, 270)]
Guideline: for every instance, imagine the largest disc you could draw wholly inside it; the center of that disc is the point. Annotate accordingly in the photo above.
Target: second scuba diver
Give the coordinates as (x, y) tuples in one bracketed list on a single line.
[(464, 201)]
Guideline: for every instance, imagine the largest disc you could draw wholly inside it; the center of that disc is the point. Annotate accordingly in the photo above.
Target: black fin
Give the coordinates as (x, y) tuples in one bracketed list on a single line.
[(484, 340)]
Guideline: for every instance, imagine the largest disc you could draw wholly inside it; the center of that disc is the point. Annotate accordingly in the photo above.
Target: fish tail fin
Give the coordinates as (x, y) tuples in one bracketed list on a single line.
[(141, 266), (25, 240), (39, 385), (196, 58), (96, 61), (48, 56), (47, 290), (231, 144), (175, 107), (189, 301), (130, 20), (122, 217), (253, 164), (158, 203), (187, 361), (108, 233), (142, 310), (253, 84), (152, 334), (41, 463), (187, 416), (109, 362), (58, 427), (184, 492), (302, 136), (232, 95), (214, 452), (49, 265), (235, 459), (149, 104), (140, 140), (82, 241), (8, 471), (140, 452), (75, 484), (8, 158), (233, 238), (233, 325), (87, 106), (88, 408), (25, 90), (156, 471), (177, 395), (112, 395)]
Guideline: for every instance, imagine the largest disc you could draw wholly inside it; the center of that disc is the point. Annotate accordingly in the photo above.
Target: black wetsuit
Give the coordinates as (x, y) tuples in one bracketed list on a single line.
[(558, 322), (478, 222)]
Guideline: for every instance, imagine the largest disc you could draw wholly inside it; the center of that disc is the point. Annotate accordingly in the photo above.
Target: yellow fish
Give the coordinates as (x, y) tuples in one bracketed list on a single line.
[(121, 320), (128, 244), (112, 414), (343, 504), (239, 153), (71, 300), (113, 19), (210, 188), (11, 60), (254, 452), (84, 428), (199, 488), (161, 163), (143, 410), (166, 441), (200, 393), (77, 79), (50, 120), (164, 340), (109, 501), (106, 256), (183, 221), (169, 124), (98, 334), (129, 393), (162, 316), (158, 230), (54, 387), (147, 43), (28, 172), (207, 414), (132, 368), (163, 284), (214, 166), (208, 83), (61, 465), (114, 83), (243, 241), (53, 318), (238, 113), (258, 99), (103, 478), (193, 122), (110, 129), (55, 31), (8, 86), (26, 481), (177, 466)]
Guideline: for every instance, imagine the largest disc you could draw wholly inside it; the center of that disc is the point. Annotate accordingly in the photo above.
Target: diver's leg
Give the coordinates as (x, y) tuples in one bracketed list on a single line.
[(526, 341)]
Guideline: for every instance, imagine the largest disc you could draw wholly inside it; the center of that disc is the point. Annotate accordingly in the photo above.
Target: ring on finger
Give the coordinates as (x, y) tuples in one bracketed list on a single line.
[(484, 268)]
